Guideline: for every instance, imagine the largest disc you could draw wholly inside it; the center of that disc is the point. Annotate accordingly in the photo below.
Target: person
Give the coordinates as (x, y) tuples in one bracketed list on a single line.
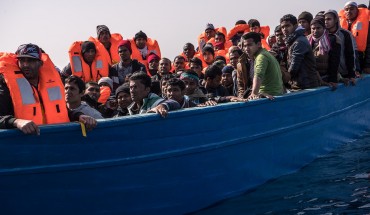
[(356, 20), (176, 91), (234, 54), (227, 79), (120, 71), (326, 49), (106, 88), (164, 69), (91, 94), (208, 56), (346, 69), (188, 52), (142, 46), (304, 20), (34, 96), (178, 65), (196, 65), (144, 101), (123, 98), (221, 45), (301, 61), (267, 81), (244, 75), (153, 61), (86, 62), (107, 43), (203, 38), (264, 31), (236, 32)]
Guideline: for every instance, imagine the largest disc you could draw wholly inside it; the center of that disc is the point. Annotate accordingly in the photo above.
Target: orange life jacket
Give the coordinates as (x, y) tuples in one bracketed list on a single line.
[(104, 94), (99, 67), (237, 28), (202, 37), (359, 27), (152, 47), (44, 105), (112, 56)]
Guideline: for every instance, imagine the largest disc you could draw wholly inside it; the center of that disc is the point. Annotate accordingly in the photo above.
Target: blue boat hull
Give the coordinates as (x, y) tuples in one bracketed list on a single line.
[(190, 160)]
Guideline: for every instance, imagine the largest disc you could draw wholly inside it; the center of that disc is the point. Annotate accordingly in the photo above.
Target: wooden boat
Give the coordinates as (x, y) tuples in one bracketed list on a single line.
[(185, 162)]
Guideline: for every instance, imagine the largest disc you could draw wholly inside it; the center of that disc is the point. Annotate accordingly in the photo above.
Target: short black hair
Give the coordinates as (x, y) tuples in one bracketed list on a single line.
[(142, 77), (289, 18), (91, 83), (220, 58), (179, 57), (176, 82), (189, 44), (361, 6), (220, 34), (208, 48), (212, 72), (277, 29), (78, 81), (253, 23), (239, 22), (196, 61), (252, 35)]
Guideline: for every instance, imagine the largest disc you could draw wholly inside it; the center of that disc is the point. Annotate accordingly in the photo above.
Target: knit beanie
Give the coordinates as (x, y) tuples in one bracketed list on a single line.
[(318, 20), (227, 69), (153, 56), (125, 43), (140, 34), (106, 80), (101, 28), (123, 88), (209, 26), (306, 16), (86, 46)]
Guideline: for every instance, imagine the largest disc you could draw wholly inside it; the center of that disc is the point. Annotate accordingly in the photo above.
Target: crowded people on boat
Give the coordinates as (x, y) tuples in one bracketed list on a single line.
[(32, 93), (127, 65)]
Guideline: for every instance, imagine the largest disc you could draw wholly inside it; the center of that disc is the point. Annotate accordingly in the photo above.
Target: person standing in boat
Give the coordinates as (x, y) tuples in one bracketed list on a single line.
[(267, 80), (304, 20), (301, 61), (144, 101), (31, 92), (326, 49)]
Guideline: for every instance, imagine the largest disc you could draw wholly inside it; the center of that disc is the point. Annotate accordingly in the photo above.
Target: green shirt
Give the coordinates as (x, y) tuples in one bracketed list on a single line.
[(267, 69)]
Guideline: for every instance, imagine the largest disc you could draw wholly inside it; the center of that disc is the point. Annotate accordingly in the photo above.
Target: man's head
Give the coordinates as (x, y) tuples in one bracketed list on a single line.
[(140, 84), (191, 81), (88, 51), (189, 50), (317, 27), (164, 66), (254, 25), (351, 10), (279, 35), (140, 39), (331, 20), (103, 33), (212, 76), (123, 95), (163, 84), (304, 19), (106, 81), (179, 63), (124, 50), (196, 65), (227, 78), (74, 89), (29, 60), (176, 89), (288, 24), (234, 54), (208, 53), (252, 43), (153, 61), (92, 90), (209, 31)]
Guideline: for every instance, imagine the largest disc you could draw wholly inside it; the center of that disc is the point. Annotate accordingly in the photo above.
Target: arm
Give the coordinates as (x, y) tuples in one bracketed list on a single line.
[(334, 60)]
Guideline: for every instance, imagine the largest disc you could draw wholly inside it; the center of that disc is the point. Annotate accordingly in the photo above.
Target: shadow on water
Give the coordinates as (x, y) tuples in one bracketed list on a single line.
[(337, 183)]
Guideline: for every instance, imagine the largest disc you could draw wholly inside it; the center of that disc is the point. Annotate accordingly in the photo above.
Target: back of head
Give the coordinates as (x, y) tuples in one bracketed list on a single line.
[(254, 23), (240, 22), (252, 35), (142, 77), (212, 72), (289, 18), (78, 81)]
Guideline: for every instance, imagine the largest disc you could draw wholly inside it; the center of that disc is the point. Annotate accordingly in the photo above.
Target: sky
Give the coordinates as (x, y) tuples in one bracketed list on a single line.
[(55, 25)]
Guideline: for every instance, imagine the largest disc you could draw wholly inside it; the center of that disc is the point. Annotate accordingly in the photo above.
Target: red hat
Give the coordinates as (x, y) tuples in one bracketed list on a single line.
[(127, 44), (153, 56)]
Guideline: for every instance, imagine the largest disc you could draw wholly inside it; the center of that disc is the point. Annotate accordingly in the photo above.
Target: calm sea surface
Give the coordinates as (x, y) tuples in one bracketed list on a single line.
[(336, 183)]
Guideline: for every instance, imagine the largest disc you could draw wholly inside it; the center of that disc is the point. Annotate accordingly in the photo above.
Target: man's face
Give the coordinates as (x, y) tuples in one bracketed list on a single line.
[(317, 30), (234, 56), (190, 85), (304, 23), (93, 91), (89, 56), (72, 94), (279, 37), (351, 12), (250, 47), (164, 67), (30, 67), (208, 57), (214, 83), (138, 90), (226, 79), (255, 29), (104, 37), (189, 51), (330, 21), (140, 43), (219, 38), (287, 28), (153, 65), (124, 53), (210, 33), (175, 93), (196, 68), (124, 99), (179, 64)]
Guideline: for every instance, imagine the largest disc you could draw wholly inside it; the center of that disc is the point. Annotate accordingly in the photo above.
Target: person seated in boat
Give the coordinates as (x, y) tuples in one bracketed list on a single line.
[(142, 46), (346, 69), (264, 31), (153, 61), (326, 49), (144, 101), (208, 56), (86, 62), (106, 89), (196, 65), (126, 66), (163, 84), (188, 52), (227, 79), (304, 20), (176, 91), (74, 88), (164, 68), (123, 99), (301, 61), (178, 65), (33, 96), (107, 43), (267, 81)]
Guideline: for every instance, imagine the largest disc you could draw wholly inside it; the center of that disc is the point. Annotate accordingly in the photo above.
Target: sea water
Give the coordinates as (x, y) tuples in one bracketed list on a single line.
[(336, 183)]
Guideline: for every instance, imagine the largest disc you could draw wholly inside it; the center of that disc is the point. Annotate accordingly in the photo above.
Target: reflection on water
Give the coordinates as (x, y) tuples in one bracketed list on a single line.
[(337, 183)]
